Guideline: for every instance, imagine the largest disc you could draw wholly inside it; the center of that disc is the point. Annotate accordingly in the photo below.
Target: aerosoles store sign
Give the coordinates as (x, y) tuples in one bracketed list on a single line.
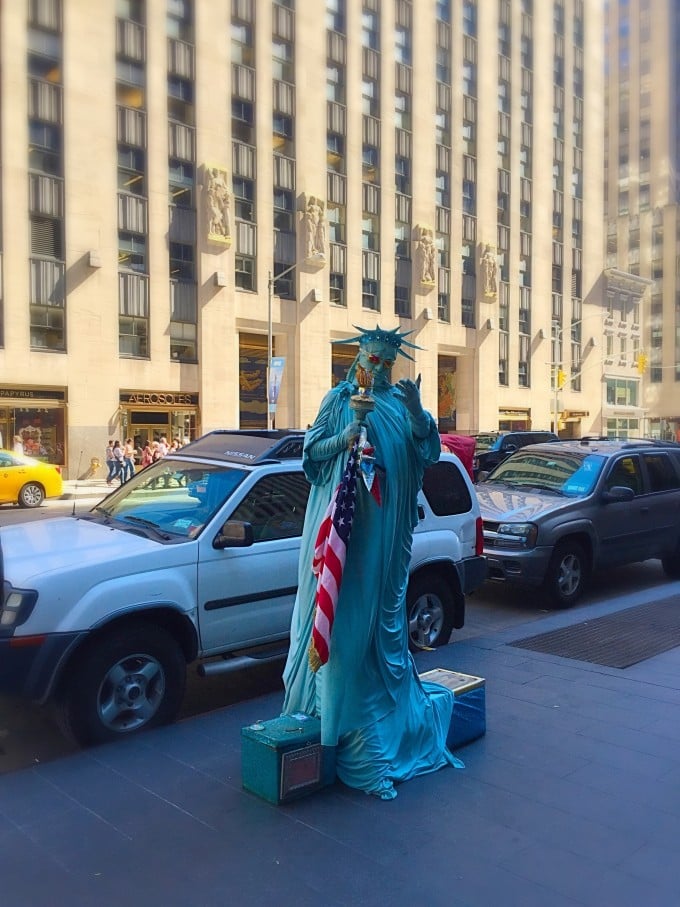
[(157, 398)]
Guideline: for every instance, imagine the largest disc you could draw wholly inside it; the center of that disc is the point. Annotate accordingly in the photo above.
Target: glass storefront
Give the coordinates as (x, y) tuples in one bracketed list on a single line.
[(35, 418), (152, 415)]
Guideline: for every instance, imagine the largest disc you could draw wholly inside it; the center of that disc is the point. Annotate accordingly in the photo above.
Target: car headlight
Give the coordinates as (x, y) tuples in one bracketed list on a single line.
[(519, 534), (16, 607)]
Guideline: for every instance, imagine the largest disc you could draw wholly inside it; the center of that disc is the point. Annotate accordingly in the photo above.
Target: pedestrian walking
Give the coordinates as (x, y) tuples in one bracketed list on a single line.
[(119, 466), (110, 463), (128, 460), (147, 455)]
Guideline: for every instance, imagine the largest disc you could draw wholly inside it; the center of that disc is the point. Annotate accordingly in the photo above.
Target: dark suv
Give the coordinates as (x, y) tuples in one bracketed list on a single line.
[(555, 512), (508, 443)]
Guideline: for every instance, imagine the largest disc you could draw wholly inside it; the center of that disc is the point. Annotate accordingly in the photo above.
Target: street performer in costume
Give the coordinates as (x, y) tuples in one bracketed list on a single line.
[(357, 674)]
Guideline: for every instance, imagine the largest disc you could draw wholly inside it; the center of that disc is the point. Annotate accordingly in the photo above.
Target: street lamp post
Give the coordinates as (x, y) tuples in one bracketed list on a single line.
[(271, 280)]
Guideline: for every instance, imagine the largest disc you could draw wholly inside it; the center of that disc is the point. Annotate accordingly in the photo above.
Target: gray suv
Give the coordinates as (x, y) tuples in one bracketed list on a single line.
[(552, 513)]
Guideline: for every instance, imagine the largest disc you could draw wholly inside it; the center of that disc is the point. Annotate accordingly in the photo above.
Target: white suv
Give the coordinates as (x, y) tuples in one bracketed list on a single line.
[(195, 559)]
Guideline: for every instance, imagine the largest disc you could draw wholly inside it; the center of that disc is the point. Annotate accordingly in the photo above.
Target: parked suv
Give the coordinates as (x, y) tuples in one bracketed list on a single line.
[(504, 445), (195, 559), (555, 512)]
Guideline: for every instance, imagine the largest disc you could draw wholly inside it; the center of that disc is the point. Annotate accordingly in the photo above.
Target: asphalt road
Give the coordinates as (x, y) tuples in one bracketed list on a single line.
[(28, 733)]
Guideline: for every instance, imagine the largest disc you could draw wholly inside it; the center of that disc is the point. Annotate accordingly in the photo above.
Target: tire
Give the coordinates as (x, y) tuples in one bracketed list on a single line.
[(127, 681), (567, 575), (430, 610), (31, 495)]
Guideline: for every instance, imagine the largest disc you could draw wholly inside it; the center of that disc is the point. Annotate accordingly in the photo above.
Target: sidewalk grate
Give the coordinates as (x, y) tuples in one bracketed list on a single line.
[(617, 640)]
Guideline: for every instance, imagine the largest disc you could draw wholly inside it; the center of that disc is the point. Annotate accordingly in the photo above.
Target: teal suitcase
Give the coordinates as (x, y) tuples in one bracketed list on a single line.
[(282, 759)]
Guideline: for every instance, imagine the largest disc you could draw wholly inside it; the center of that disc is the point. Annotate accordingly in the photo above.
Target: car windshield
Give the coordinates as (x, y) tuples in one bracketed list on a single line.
[(563, 472), (171, 496), (484, 441)]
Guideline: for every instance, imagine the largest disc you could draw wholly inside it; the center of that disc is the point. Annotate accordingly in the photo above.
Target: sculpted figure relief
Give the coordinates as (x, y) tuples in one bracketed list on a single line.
[(489, 272), (314, 228), (426, 255), (217, 194)]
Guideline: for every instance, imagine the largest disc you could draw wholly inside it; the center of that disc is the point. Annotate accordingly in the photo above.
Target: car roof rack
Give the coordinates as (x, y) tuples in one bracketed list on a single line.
[(248, 446)]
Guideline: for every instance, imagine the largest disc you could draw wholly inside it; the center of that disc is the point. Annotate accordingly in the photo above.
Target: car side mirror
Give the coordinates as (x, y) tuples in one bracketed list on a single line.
[(510, 448), (618, 493), (234, 534)]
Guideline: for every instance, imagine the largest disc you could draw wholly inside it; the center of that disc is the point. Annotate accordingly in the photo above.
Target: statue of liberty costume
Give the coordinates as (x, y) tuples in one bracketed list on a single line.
[(387, 725)]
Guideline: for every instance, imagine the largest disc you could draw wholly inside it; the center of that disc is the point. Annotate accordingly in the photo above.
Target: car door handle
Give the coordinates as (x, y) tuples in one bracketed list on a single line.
[(421, 512)]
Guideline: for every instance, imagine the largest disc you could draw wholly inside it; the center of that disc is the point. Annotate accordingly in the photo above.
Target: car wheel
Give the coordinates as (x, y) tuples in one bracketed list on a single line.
[(430, 612), (567, 574), (31, 495), (125, 682)]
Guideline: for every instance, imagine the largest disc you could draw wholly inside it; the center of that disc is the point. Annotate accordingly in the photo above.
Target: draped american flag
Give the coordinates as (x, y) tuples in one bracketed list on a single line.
[(329, 559)]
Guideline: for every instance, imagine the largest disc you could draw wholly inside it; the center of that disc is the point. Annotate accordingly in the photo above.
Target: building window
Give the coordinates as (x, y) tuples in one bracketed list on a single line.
[(133, 337), (284, 208), (181, 183), (402, 45), (370, 35), (243, 121), (337, 289), (181, 261), (131, 170), (335, 216), (402, 111), (244, 276), (244, 194), (132, 252), (335, 83), (370, 298), (181, 100), (370, 98)]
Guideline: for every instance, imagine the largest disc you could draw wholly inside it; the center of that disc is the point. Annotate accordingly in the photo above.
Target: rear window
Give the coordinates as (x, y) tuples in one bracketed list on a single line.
[(662, 476), (445, 489)]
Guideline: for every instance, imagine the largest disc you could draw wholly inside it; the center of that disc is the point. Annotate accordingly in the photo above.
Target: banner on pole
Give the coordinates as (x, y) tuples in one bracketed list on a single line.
[(276, 365)]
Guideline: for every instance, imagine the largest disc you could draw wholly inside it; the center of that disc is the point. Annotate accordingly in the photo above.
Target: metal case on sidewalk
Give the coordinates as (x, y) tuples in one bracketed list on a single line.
[(468, 721), (282, 759)]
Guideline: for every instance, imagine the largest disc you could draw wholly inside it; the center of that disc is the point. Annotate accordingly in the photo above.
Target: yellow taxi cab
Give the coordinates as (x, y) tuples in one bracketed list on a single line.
[(26, 481)]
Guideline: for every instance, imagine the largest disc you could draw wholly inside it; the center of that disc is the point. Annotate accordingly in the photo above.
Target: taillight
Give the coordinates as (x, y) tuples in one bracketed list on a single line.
[(479, 536), (58, 468)]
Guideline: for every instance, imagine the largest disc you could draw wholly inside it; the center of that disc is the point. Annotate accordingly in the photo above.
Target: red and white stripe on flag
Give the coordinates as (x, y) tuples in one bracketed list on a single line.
[(328, 563)]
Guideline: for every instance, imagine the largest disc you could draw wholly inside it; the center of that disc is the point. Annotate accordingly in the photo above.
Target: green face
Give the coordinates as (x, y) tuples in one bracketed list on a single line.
[(378, 359)]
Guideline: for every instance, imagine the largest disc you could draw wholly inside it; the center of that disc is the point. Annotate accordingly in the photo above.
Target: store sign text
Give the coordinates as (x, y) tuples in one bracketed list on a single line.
[(161, 399)]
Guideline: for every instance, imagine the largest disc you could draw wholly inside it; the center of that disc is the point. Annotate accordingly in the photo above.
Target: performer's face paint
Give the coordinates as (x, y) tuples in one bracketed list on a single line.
[(378, 359)]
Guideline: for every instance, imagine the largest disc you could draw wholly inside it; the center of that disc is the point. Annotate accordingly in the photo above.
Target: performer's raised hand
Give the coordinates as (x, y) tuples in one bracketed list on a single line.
[(409, 394)]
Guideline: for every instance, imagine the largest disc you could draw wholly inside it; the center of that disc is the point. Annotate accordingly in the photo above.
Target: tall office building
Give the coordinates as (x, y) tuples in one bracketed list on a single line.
[(192, 186), (642, 207)]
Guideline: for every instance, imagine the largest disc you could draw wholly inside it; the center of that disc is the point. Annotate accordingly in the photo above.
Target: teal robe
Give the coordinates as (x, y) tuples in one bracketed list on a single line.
[(386, 724)]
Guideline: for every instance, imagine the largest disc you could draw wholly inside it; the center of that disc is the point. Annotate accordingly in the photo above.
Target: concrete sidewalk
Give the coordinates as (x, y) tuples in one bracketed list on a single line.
[(572, 798), (86, 488)]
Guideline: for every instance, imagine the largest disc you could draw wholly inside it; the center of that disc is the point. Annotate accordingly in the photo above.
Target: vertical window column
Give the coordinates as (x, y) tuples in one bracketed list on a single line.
[(133, 268), (336, 140), (243, 142), (45, 177), (182, 185)]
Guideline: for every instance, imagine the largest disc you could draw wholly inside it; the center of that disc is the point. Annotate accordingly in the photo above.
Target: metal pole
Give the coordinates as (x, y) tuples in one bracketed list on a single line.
[(270, 290), (271, 280)]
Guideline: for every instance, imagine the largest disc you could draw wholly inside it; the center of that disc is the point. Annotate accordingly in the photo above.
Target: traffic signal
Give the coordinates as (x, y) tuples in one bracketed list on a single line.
[(561, 377), (641, 362)]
